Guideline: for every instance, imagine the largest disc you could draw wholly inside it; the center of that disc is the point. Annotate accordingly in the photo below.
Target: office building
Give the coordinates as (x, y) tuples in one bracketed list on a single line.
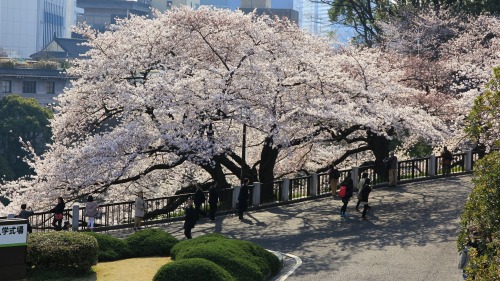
[(26, 26)]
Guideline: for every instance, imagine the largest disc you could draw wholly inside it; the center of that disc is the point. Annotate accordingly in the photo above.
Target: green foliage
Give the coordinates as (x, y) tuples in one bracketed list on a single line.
[(420, 150), (192, 269), (151, 242), (70, 252), (244, 260), (7, 63), (482, 213), (482, 121), (44, 64), (22, 118), (110, 248)]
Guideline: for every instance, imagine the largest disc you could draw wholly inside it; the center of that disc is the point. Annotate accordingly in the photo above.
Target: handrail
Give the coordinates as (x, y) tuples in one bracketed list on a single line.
[(120, 214)]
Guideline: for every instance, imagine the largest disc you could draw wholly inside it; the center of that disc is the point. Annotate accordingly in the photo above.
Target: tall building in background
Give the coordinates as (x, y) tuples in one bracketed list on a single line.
[(314, 18), (222, 4), (26, 26), (100, 13)]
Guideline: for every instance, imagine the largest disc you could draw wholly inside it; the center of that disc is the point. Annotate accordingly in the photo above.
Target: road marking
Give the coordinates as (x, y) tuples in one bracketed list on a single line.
[(298, 262)]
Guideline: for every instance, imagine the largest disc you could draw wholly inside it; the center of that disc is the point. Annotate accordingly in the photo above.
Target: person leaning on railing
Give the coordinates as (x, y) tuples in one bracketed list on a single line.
[(391, 164), (140, 210), (25, 214)]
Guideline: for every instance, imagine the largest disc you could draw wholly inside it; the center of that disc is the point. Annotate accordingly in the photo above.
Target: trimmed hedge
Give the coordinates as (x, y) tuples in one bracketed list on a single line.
[(244, 260), (151, 242), (70, 252), (110, 248), (193, 270)]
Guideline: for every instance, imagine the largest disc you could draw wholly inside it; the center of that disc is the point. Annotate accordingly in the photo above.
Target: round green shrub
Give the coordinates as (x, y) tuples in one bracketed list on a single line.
[(110, 248), (71, 252), (192, 270), (190, 244), (244, 260), (151, 242)]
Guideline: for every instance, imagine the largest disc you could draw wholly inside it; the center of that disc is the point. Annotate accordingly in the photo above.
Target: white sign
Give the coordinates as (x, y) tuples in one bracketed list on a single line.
[(13, 234)]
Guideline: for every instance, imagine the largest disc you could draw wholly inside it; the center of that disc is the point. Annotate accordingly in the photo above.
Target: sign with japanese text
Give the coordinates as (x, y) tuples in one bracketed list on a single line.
[(13, 235)]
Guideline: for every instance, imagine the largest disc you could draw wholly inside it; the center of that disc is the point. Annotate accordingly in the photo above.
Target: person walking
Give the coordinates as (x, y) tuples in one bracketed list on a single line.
[(391, 163), (199, 199), (333, 178), (361, 185), (243, 199), (91, 209), (213, 199), (25, 214), (348, 183), (189, 219), (447, 157), (140, 210), (58, 211), (364, 194)]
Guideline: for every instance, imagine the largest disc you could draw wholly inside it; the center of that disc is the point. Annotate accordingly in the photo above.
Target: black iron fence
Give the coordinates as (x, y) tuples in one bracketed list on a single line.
[(120, 215)]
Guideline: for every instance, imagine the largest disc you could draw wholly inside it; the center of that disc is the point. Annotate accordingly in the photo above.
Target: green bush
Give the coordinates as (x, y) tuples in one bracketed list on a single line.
[(7, 64), (193, 270), (151, 242), (244, 260), (110, 248), (481, 214), (70, 252)]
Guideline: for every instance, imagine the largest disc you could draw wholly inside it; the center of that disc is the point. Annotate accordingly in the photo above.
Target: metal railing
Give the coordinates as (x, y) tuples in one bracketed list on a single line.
[(116, 215)]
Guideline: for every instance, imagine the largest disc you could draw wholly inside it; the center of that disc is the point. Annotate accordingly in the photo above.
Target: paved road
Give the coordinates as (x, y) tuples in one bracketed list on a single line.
[(410, 235)]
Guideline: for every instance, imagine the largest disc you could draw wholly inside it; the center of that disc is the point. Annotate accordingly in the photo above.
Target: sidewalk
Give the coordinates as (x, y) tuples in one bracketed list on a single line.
[(410, 235)]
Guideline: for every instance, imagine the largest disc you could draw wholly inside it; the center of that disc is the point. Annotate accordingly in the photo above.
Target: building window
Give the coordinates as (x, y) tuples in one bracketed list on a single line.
[(6, 86), (50, 88), (29, 87)]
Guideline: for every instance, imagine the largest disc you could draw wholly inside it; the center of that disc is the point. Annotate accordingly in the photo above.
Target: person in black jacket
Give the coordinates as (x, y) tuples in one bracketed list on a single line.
[(243, 199), (348, 183), (364, 194), (58, 211), (213, 199), (199, 199), (189, 219)]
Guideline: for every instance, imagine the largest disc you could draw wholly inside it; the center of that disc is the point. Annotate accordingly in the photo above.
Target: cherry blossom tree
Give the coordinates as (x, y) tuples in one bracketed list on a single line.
[(162, 102)]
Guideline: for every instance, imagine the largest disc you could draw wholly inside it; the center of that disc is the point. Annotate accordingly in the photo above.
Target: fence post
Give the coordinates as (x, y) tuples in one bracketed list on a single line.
[(236, 192), (256, 194), (314, 184), (286, 189), (432, 166), (468, 161), (355, 176), (76, 218)]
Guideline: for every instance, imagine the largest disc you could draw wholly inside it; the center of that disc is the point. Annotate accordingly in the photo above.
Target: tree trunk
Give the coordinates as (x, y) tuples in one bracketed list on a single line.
[(268, 158), (379, 145)]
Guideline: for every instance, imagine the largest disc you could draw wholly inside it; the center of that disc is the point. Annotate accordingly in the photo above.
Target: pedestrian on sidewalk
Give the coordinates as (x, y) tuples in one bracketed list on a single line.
[(213, 199), (199, 199), (58, 211), (243, 199), (333, 178), (140, 210), (391, 163), (364, 194), (189, 219), (447, 157), (26, 214), (91, 209), (361, 185), (348, 183)]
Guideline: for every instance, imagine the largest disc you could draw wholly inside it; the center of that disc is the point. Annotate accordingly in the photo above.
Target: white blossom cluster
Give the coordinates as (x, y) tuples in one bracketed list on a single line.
[(159, 97)]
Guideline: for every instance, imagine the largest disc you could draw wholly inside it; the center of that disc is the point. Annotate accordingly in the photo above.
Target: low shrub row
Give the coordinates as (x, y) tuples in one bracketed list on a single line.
[(70, 252), (77, 252), (242, 260)]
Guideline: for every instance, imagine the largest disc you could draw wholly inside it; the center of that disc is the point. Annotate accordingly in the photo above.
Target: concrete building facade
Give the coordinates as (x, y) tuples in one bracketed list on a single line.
[(26, 26)]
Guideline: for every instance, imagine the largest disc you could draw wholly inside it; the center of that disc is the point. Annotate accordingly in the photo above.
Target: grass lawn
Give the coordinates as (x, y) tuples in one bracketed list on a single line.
[(137, 269)]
